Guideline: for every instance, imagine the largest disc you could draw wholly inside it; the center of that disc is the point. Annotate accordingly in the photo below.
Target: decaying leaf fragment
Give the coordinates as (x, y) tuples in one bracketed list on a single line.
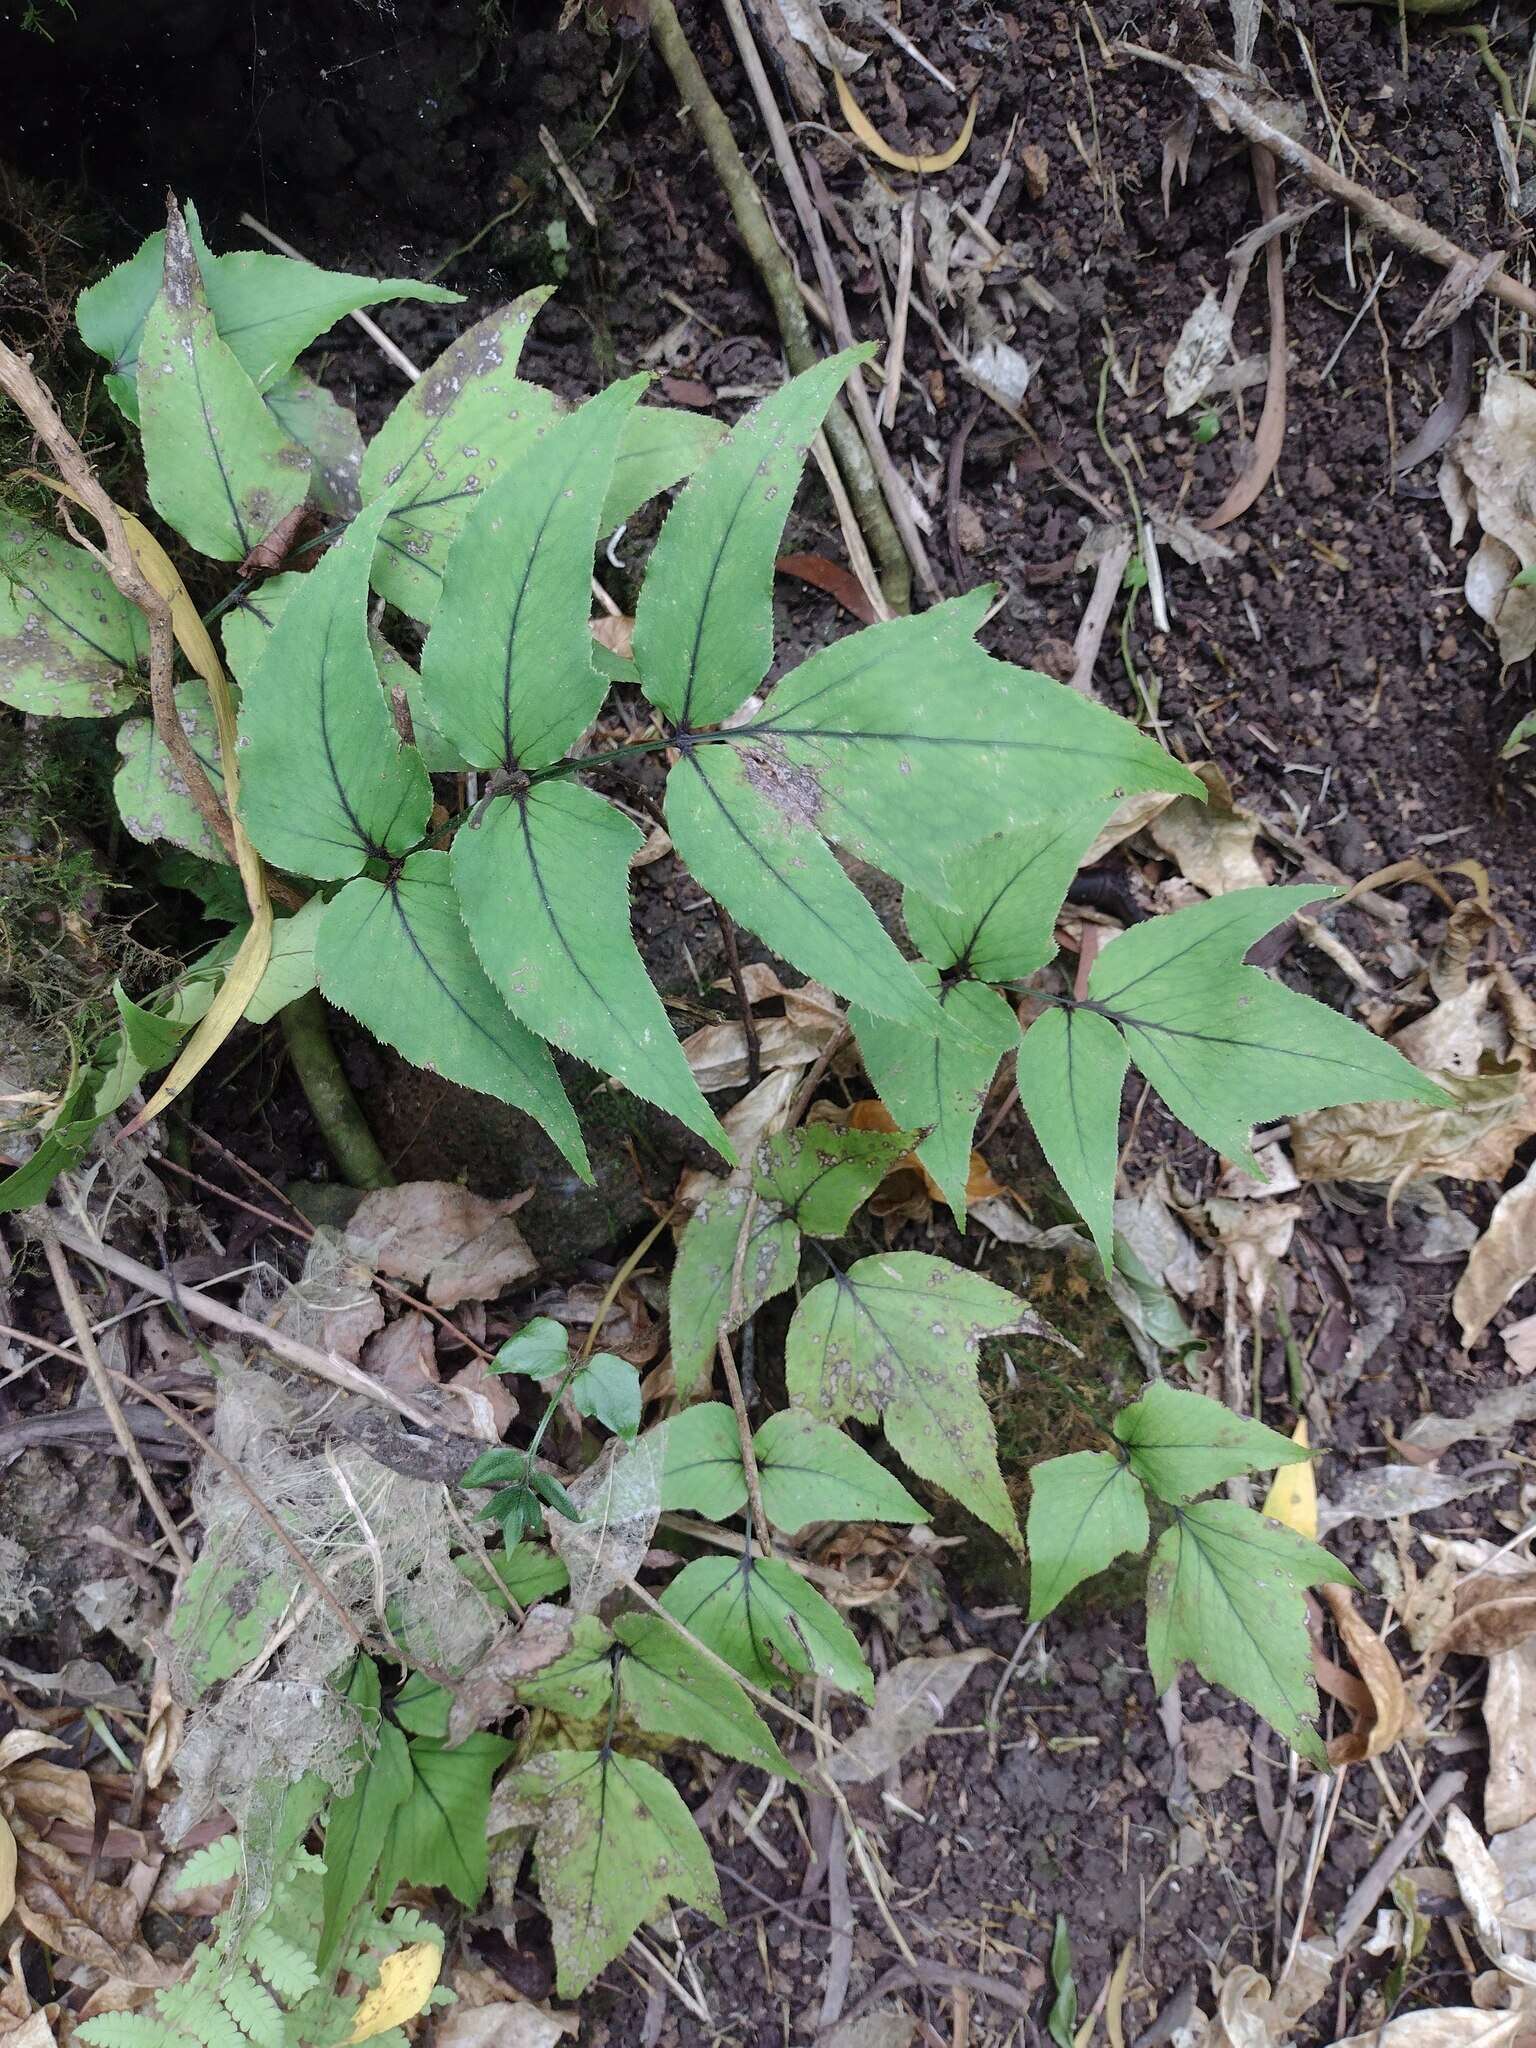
[(1501, 1262), (1485, 475), (461, 1246)]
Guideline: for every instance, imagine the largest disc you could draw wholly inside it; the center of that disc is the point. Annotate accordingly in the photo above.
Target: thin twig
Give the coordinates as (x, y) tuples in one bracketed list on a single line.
[(896, 353), (1218, 93), (743, 1001), (897, 496), (264, 1514), (23, 388), (1269, 436), (334, 1371), (748, 1455), (101, 1382), (751, 218), (1391, 1860)]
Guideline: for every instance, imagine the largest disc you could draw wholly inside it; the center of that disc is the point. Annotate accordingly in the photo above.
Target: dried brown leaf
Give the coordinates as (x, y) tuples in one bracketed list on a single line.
[(1493, 1614), (1486, 468), (911, 1700), (1390, 1711), (463, 1247), (1501, 1262)]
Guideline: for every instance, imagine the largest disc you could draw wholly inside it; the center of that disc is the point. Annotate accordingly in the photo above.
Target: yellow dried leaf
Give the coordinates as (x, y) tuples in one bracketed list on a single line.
[(7, 1868), (406, 1981), (872, 140), (1293, 1497), (250, 963)]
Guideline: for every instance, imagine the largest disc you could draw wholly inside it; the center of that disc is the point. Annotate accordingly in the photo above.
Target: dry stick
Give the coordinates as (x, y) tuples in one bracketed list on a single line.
[(774, 268), (748, 1455), (269, 1521), (948, 1976), (1415, 235), (334, 1371), (897, 496), (101, 1382), (897, 353), (22, 387), (1094, 623), (1391, 1860)]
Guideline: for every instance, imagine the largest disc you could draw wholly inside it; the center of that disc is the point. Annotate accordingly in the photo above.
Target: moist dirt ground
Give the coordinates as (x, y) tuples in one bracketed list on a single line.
[(1330, 668)]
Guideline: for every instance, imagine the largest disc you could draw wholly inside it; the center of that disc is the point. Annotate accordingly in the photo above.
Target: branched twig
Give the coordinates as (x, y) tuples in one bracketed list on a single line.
[(1219, 94), (334, 1371), (773, 266), (891, 484), (101, 1382), (22, 387)]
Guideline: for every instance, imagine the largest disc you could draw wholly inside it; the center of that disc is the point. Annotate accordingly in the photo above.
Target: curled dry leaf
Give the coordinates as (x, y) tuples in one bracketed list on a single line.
[(871, 1114), (911, 1700), (1389, 1714), (1485, 474), (1493, 1614), (1482, 1892), (1500, 1263), (616, 632), (812, 1019), (873, 141), (1445, 2026), (463, 1247), (760, 1112)]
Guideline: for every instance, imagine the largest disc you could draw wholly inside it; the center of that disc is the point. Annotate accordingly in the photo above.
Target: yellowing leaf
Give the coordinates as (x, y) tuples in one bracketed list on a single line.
[(250, 963), (1293, 1497), (871, 138), (406, 1982), (7, 1868)]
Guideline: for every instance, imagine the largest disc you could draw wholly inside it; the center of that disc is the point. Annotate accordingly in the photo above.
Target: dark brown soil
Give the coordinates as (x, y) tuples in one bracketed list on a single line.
[(1333, 670)]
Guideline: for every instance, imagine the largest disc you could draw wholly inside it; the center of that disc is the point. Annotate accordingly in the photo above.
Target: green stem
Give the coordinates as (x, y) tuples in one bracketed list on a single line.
[(328, 1092)]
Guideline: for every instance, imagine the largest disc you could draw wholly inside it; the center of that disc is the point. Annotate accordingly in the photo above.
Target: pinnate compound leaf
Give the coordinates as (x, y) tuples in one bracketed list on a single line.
[(507, 670), (818, 1176), (453, 434), (219, 467), (1225, 1592), (542, 879), (328, 432), (267, 308), (324, 781), (613, 1843), (700, 1299), (1181, 1444), (704, 621), (1085, 1510), (1225, 1046), (667, 1688), (703, 1473), (866, 743), (751, 1610), (1006, 894), (1071, 1068), (396, 956), (437, 1833), (895, 1338), (745, 832), (151, 798), (69, 642), (811, 1472), (939, 1084)]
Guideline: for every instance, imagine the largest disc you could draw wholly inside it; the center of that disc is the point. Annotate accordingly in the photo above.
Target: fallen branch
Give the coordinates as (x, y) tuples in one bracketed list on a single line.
[(334, 1371), (22, 387), (1417, 236), (101, 1385), (778, 276)]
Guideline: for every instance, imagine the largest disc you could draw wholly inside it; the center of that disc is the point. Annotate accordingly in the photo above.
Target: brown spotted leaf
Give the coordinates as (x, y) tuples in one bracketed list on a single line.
[(69, 643), (220, 468), (895, 1339)]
